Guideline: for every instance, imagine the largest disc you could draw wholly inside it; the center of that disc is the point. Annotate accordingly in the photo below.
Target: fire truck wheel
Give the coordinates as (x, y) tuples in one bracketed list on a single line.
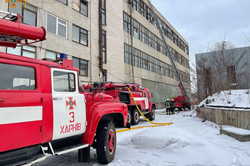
[(84, 155), (135, 117), (152, 115), (129, 119), (106, 142)]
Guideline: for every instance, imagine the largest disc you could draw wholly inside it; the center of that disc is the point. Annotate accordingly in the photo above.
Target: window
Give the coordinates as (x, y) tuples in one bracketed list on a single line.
[(27, 11), (103, 12), (136, 29), (84, 7), (14, 77), (81, 6), (61, 28), (80, 35), (140, 59), (51, 55), (127, 54), (141, 7), (127, 23), (82, 65), (231, 74), (148, 13), (64, 81), (26, 51), (104, 46), (65, 2), (56, 25), (105, 76), (135, 4)]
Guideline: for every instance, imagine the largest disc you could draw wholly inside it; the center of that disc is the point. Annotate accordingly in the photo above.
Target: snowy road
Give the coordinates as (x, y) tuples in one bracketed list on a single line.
[(188, 142)]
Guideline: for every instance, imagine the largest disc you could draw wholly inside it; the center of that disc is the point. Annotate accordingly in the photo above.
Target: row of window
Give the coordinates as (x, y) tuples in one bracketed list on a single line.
[(59, 27), (30, 52), (140, 59), (55, 24), (148, 13), (140, 32), (79, 5)]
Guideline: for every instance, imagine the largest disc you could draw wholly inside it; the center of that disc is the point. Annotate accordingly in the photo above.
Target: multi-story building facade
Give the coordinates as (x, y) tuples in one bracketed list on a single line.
[(108, 40)]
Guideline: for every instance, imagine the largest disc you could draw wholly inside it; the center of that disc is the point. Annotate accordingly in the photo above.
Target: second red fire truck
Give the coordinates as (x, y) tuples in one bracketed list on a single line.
[(137, 98)]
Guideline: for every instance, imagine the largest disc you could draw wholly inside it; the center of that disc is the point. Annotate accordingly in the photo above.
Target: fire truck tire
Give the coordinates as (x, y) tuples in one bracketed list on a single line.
[(129, 119), (135, 117), (106, 142), (152, 115), (84, 155)]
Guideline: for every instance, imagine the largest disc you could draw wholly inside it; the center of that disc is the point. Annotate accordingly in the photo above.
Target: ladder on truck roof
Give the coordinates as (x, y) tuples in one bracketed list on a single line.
[(168, 54), (8, 16), (13, 32)]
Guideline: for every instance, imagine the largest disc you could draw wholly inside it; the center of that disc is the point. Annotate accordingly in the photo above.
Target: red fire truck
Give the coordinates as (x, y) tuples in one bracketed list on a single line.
[(179, 103), (42, 110), (134, 95)]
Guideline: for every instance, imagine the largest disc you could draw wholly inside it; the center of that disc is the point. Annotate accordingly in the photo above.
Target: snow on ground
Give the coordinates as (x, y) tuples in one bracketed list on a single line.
[(236, 130), (188, 142), (232, 98)]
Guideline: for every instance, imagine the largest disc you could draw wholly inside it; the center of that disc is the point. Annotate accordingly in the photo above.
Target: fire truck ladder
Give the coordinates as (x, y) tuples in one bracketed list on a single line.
[(13, 33), (168, 54)]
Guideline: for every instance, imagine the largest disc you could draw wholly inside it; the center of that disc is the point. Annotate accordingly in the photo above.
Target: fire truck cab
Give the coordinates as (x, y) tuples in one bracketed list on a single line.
[(133, 95), (43, 111)]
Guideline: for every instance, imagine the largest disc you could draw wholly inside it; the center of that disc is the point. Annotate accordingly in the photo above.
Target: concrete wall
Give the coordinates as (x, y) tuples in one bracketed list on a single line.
[(237, 118)]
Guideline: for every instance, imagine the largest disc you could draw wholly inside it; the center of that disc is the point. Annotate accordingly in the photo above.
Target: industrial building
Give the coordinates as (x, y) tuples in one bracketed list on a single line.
[(108, 40), (222, 70)]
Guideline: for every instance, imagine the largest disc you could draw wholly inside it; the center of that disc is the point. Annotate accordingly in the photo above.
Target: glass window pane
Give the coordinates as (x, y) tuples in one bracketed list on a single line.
[(15, 77), (76, 62), (15, 51), (64, 81), (29, 48), (62, 30), (29, 54), (84, 8), (51, 23), (75, 33), (84, 38), (83, 68), (72, 82), (51, 55), (29, 17)]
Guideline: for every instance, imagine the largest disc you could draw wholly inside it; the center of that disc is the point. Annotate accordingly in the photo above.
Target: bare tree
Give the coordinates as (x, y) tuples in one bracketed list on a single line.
[(212, 72)]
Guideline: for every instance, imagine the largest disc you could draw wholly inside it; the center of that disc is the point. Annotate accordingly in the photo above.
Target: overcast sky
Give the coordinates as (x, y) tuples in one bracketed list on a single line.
[(205, 22)]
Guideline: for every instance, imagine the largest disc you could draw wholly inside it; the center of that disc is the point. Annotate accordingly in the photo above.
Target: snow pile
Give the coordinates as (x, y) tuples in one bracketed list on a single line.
[(235, 130), (188, 142), (231, 99)]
